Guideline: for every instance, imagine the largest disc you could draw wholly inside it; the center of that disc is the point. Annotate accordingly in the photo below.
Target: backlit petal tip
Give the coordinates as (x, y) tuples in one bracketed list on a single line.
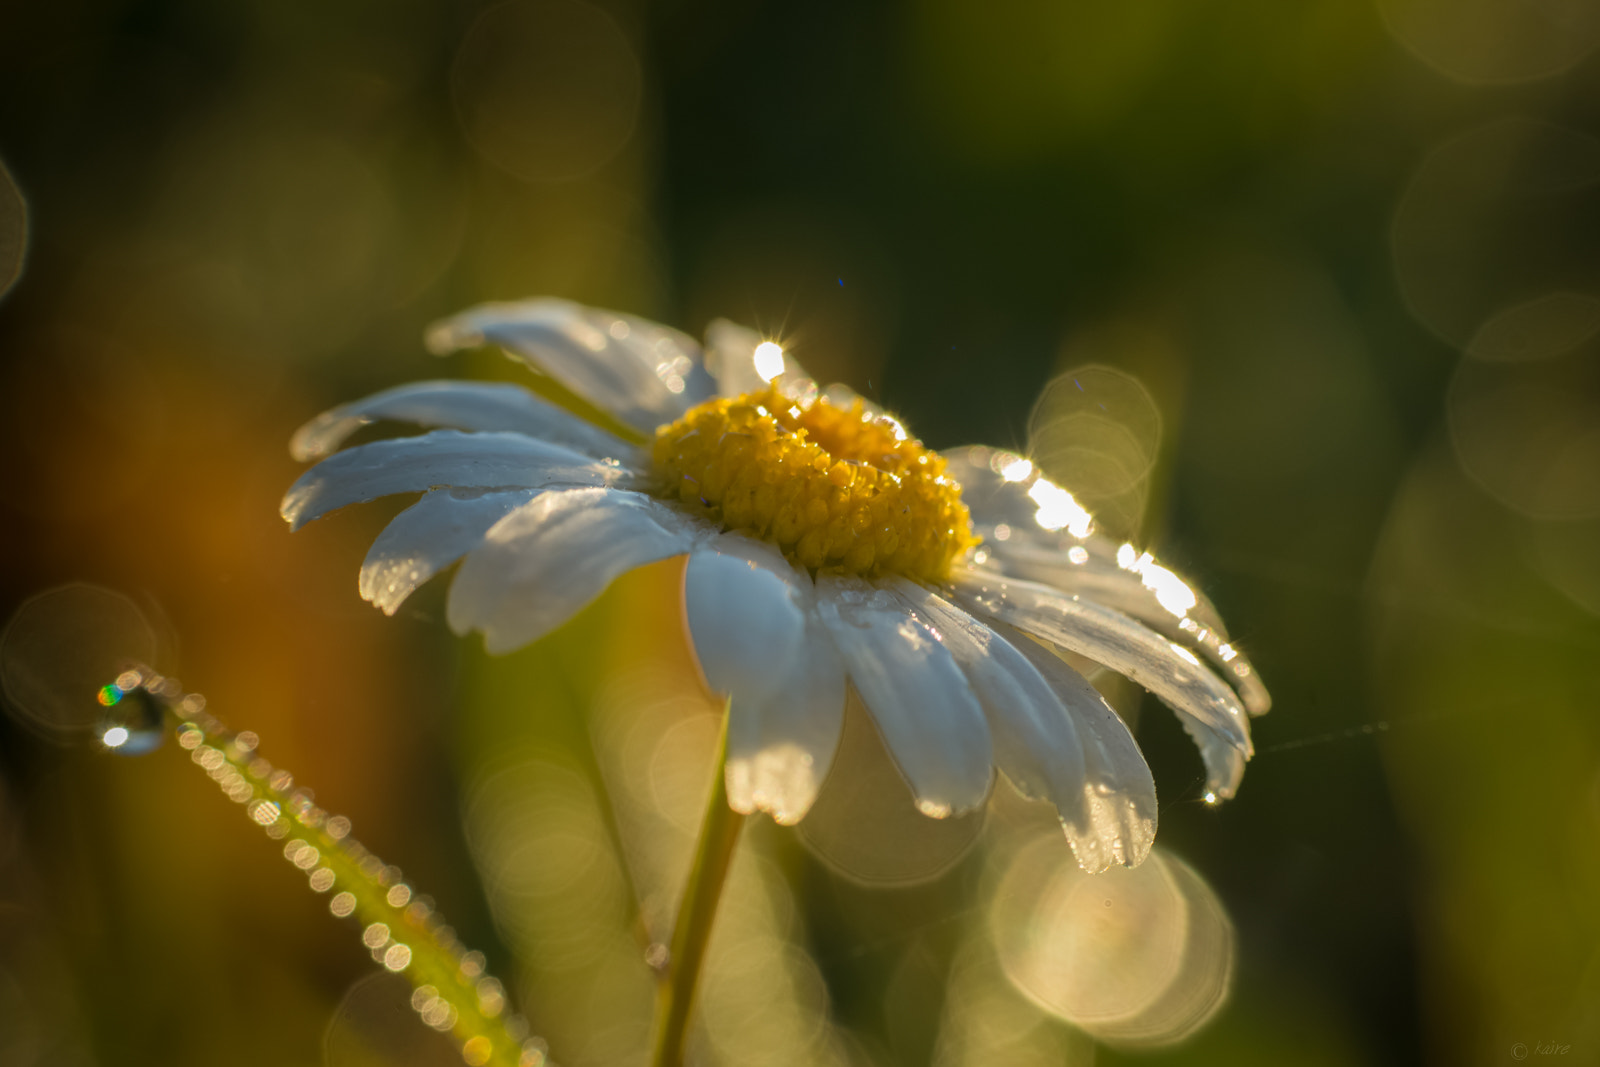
[(429, 536), (781, 780)]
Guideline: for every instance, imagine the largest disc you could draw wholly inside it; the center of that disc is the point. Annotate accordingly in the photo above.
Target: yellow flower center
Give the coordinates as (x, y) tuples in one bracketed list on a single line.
[(833, 487)]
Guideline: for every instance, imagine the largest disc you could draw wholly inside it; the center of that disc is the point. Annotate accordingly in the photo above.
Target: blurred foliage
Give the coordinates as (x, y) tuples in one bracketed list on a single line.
[(1347, 249)]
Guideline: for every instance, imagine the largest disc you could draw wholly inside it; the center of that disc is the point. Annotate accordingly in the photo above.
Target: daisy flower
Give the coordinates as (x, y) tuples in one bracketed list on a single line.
[(827, 550)]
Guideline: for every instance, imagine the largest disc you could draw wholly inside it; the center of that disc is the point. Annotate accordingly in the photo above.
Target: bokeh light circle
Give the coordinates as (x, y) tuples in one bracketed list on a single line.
[(1530, 435), (1138, 957), (1564, 553), (541, 847), (1495, 41), (1545, 326), (865, 825), (1097, 430), (375, 1026), (1484, 246), (547, 90), (61, 646), (13, 231)]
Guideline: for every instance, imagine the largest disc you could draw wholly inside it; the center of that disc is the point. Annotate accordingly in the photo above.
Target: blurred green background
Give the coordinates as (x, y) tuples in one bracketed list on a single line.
[(1349, 249)]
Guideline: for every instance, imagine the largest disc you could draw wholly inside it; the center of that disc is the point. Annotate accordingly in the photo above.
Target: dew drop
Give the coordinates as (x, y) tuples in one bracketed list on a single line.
[(477, 1051), (398, 957), (132, 722)]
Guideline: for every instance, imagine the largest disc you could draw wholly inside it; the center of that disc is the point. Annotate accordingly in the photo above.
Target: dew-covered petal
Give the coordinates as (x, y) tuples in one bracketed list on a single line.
[(1004, 488), (1118, 823), (481, 406), (991, 497), (643, 373), (1001, 490), (429, 536), (1131, 596), (1150, 593), (1203, 702), (439, 458), (931, 723), (1035, 742), (545, 561), (1023, 518)]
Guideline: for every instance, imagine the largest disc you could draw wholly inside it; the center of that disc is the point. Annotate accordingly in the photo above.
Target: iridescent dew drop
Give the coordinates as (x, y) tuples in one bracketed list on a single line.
[(133, 720)]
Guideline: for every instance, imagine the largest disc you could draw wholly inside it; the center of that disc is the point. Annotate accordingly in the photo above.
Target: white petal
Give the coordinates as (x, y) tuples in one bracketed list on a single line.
[(730, 357), (758, 640), (643, 373), (1119, 811), (998, 486), (545, 561), (747, 624), (779, 752), (1034, 739), (430, 535), (440, 458), (1148, 597), (1209, 710), (461, 406), (931, 723)]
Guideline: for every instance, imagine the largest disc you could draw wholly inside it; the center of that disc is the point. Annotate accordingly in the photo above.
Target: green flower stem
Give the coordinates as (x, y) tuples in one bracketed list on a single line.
[(719, 835), (452, 992)]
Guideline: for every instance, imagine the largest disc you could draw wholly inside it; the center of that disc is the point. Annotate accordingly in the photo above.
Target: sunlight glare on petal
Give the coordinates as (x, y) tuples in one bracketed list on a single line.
[(1058, 510), (768, 358), (1171, 591), (1012, 468)]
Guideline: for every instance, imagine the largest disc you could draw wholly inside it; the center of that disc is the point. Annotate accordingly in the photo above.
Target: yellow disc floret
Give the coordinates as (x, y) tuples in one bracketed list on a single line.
[(833, 487)]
